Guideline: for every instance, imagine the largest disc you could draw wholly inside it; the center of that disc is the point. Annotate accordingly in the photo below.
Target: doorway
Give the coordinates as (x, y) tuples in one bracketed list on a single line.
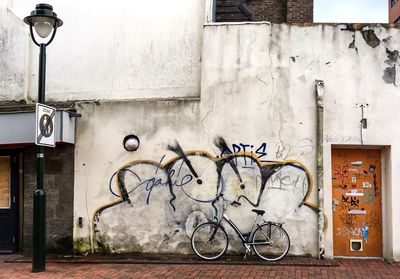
[(357, 202), (9, 202)]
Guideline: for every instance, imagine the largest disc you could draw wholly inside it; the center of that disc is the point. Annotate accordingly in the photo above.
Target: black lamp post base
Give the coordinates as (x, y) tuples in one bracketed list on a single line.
[(39, 231)]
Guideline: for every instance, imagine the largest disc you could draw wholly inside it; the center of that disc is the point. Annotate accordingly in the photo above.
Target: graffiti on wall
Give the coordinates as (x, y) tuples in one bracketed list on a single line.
[(187, 186)]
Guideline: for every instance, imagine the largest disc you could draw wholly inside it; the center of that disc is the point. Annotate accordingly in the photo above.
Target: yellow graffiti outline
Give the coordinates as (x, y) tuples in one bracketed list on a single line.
[(213, 158)]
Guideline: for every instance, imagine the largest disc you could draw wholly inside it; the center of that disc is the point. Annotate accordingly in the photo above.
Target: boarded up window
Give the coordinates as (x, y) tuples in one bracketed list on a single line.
[(5, 182)]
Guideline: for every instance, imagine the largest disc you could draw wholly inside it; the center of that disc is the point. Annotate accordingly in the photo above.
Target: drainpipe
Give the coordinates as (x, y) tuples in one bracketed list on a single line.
[(319, 90)]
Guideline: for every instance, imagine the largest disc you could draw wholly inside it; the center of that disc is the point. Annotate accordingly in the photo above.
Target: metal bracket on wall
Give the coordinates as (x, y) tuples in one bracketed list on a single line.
[(74, 114), (363, 121)]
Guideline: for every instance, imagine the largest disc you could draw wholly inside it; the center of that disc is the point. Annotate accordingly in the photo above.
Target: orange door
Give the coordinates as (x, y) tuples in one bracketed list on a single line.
[(357, 202)]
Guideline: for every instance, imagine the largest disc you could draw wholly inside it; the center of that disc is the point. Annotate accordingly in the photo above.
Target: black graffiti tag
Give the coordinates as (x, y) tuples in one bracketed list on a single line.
[(352, 201)]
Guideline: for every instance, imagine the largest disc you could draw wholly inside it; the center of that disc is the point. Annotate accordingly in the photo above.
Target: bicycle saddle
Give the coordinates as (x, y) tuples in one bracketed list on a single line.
[(259, 212)]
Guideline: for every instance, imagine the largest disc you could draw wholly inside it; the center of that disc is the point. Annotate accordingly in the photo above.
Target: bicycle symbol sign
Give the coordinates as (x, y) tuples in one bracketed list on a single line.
[(45, 125)]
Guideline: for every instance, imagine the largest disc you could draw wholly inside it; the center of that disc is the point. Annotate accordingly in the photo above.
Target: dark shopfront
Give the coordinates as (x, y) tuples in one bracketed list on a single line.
[(18, 182)]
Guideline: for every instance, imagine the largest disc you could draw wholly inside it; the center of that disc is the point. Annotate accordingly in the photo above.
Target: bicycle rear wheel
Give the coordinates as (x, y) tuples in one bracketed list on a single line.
[(271, 242), (209, 241)]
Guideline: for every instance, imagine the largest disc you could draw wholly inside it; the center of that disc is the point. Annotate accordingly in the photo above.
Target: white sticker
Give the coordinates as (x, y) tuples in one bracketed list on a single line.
[(357, 211), (355, 194), (357, 163), (366, 184), (354, 179)]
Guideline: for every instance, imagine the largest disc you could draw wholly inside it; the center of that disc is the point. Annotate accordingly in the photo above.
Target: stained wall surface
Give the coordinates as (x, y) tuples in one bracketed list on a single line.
[(137, 49), (14, 53), (258, 96)]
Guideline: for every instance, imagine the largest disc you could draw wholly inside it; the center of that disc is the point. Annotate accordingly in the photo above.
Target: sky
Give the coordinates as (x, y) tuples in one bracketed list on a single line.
[(351, 11)]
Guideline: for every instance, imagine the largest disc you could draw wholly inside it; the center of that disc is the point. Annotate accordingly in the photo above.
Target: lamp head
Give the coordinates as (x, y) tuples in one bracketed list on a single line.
[(43, 19)]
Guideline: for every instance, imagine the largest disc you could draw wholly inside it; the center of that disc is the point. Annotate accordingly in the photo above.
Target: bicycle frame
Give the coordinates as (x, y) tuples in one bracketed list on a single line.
[(246, 237)]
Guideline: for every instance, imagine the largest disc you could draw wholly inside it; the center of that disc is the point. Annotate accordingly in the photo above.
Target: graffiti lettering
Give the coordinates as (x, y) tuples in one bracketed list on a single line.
[(260, 152), (239, 174), (341, 172), (303, 146), (153, 182), (353, 201), (183, 170), (340, 139), (346, 231), (130, 185), (284, 182)]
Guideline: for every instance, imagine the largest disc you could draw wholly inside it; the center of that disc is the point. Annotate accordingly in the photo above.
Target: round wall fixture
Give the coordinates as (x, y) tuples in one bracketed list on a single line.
[(131, 143)]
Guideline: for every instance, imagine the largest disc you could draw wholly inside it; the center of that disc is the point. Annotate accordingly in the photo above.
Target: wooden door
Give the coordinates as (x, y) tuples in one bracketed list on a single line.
[(8, 203), (357, 202)]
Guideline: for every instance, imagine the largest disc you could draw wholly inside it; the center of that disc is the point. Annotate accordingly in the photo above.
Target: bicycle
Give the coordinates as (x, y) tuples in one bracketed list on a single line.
[(268, 239)]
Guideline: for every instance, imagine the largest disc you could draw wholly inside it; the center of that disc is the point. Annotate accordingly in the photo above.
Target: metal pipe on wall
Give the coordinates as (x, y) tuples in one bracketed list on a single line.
[(319, 90)]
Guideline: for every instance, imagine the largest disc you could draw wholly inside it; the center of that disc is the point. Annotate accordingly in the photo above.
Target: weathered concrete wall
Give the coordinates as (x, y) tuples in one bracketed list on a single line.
[(283, 62), (14, 56), (132, 49), (159, 216), (357, 67), (59, 186), (258, 96)]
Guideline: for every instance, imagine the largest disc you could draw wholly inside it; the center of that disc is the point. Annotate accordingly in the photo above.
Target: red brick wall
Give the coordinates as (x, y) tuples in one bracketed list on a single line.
[(275, 11), (300, 11), (268, 10), (394, 12)]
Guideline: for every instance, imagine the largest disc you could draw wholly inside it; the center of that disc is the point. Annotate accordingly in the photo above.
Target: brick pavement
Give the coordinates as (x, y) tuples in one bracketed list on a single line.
[(345, 269)]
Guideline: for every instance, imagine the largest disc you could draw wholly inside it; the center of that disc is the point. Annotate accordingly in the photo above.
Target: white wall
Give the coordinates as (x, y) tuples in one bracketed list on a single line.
[(118, 50), (14, 55), (283, 62), (258, 88)]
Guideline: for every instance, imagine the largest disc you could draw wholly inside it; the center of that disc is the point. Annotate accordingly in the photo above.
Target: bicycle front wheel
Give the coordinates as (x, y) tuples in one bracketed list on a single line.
[(209, 241), (271, 242)]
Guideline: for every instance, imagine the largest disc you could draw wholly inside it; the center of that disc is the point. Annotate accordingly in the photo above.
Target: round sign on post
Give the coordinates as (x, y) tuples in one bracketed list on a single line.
[(45, 125)]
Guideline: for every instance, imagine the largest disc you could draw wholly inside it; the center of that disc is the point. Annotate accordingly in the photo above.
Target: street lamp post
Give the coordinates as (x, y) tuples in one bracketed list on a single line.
[(43, 20)]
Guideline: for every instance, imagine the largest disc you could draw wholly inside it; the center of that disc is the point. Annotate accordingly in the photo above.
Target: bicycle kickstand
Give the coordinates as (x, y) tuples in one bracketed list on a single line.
[(248, 251)]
